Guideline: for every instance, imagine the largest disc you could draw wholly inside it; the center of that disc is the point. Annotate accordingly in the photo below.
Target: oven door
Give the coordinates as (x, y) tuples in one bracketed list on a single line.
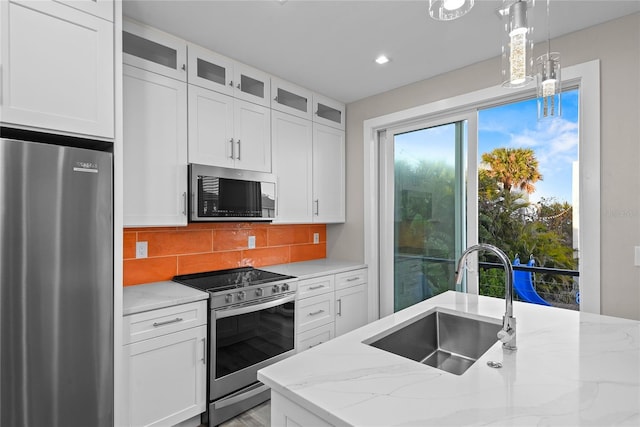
[(246, 338)]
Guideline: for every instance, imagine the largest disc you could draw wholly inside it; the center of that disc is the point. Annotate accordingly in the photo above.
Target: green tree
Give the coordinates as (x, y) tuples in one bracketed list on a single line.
[(509, 221), (514, 168)]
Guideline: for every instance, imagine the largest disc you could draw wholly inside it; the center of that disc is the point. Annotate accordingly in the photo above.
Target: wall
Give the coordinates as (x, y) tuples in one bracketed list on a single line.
[(617, 45), (215, 246)]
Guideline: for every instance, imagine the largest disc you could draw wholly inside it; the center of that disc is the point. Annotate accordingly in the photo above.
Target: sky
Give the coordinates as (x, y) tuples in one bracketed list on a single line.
[(554, 142)]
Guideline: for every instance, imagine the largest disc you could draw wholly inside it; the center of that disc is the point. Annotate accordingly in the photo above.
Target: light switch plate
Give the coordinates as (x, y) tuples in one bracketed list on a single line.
[(636, 261), (316, 238), (141, 249), (252, 242)]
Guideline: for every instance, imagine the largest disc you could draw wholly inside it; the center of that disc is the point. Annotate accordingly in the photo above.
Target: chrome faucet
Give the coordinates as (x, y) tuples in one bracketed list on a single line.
[(508, 332)]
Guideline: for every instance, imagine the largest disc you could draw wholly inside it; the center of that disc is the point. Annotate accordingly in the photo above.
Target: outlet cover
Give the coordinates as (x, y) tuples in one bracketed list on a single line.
[(252, 242), (316, 238), (141, 249)]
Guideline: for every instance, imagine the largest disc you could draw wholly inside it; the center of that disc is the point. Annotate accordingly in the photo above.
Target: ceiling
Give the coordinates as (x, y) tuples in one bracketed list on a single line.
[(330, 46)]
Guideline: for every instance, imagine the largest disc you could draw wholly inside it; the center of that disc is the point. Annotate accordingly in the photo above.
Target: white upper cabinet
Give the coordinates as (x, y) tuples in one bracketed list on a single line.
[(210, 70), (100, 8), (48, 85), (289, 98), (328, 112), (211, 138), (292, 166), (251, 84), (154, 50), (328, 174), (213, 71), (228, 132), (155, 149)]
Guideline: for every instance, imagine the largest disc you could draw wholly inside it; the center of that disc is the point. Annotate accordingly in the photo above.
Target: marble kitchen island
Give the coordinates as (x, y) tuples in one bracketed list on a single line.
[(570, 368)]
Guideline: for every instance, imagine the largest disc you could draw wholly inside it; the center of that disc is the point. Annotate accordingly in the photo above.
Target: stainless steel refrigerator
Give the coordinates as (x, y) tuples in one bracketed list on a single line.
[(56, 284)]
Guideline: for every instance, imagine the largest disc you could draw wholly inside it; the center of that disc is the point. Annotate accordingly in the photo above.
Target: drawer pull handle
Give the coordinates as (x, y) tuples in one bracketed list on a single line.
[(167, 322), (311, 288), (315, 313), (313, 345), (352, 279)]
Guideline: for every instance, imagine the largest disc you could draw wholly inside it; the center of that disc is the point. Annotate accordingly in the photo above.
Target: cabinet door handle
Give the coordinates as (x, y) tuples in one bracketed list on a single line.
[(184, 67), (315, 313), (232, 148), (352, 279), (231, 83), (167, 322), (317, 202), (204, 351), (238, 86), (275, 99), (184, 203), (339, 307), (316, 287), (238, 150)]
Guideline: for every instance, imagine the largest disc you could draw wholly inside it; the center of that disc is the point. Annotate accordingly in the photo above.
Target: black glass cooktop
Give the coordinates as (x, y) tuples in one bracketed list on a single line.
[(222, 280)]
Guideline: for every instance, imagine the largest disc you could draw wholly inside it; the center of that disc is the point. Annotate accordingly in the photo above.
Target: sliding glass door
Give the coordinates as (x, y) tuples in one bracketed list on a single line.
[(422, 210)]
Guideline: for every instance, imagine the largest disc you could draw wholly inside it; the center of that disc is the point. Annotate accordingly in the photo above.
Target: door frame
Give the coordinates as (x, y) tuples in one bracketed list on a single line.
[(586, 76)]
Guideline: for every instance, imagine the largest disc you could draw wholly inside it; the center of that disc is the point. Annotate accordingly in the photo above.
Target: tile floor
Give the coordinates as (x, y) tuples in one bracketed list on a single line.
[(260, 416)]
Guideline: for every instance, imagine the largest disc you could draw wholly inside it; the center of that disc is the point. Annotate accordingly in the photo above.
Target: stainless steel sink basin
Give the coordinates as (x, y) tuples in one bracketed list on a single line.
[(447, 340)]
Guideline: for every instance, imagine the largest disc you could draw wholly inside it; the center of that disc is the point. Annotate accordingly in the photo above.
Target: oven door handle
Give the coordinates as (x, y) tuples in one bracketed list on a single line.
[(228, 312)]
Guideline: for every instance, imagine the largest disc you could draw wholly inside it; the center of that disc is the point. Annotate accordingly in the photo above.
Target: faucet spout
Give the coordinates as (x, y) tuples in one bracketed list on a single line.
[(508, 332)]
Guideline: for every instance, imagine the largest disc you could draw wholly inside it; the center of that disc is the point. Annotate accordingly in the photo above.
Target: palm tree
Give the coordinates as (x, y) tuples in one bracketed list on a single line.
[(513, 168)]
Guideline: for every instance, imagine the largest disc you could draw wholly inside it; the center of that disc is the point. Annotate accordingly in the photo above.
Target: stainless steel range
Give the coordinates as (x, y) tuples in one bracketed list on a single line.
[(251, 325)]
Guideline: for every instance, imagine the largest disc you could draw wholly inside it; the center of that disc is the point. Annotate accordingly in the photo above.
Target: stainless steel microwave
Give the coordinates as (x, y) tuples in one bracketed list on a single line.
[(221, 194)]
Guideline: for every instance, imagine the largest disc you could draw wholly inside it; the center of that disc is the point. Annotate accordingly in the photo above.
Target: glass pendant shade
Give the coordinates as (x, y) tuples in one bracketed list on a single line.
[(517, 45), (446, 10), (548, 85)]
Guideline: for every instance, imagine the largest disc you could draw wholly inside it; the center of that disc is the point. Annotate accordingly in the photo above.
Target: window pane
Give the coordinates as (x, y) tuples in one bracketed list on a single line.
[(427, 213), (527, 201)]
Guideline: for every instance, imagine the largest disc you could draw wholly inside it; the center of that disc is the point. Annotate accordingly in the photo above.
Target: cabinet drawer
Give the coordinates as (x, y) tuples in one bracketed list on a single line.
[(314, 312), (150, 324), (316, 286), (351, 278), (314, 337)]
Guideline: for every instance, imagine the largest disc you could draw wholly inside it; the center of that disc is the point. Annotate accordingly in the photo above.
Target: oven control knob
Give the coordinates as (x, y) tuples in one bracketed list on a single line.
[(241, 295), (285, 287), (228, 298), (275, 289), (259, 292)]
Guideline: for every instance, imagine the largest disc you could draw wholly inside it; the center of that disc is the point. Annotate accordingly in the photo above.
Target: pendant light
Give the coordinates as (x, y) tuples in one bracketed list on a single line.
[(517, 45), (447, 10), (548, 80)]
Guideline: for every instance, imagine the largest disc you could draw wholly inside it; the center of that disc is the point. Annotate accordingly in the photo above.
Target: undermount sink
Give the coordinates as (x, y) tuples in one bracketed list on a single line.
[(447, 340)]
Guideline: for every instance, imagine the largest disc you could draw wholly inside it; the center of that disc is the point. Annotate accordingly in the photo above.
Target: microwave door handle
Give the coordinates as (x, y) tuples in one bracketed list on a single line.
[(221, 314)]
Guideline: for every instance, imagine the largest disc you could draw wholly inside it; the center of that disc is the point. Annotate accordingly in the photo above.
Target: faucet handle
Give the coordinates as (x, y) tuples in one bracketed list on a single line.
[(507, 335)]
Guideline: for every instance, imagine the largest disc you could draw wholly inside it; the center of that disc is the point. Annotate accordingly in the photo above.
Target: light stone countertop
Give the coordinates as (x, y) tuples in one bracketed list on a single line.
[(314, 268), (570, 368), (151, 296)]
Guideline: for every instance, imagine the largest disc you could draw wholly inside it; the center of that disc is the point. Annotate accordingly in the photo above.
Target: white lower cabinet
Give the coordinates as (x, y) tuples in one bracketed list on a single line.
[(351, 309), (165, 375), (329, 306), (284, 412)]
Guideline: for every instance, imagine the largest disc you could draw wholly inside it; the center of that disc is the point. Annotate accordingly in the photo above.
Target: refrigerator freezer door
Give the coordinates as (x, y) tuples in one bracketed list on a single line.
[(56, 286)]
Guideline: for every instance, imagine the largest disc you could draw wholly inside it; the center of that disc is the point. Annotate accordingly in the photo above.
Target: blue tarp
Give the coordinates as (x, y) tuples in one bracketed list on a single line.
[(523, 284)]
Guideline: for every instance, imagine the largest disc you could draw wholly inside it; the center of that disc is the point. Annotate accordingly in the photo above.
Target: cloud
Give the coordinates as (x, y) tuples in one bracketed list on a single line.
[(555, 142)]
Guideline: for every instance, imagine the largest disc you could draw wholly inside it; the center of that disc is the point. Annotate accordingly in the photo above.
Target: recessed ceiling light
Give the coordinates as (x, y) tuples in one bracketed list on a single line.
[(382, 59)]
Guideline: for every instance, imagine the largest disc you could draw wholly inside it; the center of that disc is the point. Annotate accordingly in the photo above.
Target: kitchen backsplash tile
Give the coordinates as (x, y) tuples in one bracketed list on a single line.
[(216, 246)]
